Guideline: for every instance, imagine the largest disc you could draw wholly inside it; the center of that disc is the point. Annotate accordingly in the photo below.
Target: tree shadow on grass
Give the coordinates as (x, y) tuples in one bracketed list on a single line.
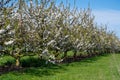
[(95, 58), (88, 59), (41, 71), (35, 67), (38, 67)]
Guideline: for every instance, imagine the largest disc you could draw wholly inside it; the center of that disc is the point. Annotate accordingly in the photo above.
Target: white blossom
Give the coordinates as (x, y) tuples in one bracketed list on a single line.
[(45, 52), (11, 32), (16, 15), (78, 45), (57, 35), (66, 36), (55, 61), (45, 34), (9, 42), (58, 61), (2, 31), (52, 61), (8, 27), (52, 57), (51, 42), (60, 29), (76, 42)]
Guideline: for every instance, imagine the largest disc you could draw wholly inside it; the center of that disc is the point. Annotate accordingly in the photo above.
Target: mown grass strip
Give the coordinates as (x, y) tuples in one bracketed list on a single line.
[(105, 67)]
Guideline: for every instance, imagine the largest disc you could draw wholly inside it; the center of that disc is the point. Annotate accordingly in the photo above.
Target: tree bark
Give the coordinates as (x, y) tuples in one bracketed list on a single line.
[(17, 62), (75, 55)]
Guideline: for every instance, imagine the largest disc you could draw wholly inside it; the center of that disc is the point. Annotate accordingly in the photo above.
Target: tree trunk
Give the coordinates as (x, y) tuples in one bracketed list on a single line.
[(75, 53), (65, 54), (17, 62)]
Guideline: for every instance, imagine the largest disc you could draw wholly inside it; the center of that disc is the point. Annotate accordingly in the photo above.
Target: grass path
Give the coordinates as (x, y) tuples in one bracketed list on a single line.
[(106, 67), (115, 66)]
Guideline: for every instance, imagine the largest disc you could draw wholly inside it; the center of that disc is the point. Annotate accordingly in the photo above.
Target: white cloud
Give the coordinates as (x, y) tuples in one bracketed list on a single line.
[(109, 17)]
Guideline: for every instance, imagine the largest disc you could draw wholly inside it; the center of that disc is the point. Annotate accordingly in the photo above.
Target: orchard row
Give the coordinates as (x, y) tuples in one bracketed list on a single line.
[(50, 30)]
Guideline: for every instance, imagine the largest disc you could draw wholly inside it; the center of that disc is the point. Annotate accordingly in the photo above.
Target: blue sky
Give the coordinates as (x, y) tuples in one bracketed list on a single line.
[(105, 11)]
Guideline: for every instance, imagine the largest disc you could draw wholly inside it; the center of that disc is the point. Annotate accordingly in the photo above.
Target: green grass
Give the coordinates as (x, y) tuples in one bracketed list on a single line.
[(105, 67), (6, 60)]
